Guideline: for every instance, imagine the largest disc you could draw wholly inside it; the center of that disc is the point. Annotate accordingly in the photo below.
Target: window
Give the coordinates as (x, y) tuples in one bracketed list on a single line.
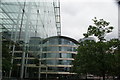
[(17, 61), (18, 54)]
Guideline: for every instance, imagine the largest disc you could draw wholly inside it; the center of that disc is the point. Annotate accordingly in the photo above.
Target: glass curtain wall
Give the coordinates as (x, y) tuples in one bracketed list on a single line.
[(22, 20), (58, 51), (26, 23), (39, 17)]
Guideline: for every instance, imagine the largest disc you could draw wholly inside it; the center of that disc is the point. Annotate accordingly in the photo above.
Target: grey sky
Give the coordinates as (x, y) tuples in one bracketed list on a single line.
[(77, 15)]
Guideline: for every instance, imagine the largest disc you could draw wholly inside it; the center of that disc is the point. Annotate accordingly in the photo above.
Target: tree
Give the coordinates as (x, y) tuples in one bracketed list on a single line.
[(115, 46), (84, 60), (95, 57), (99, 29), (6, 59)]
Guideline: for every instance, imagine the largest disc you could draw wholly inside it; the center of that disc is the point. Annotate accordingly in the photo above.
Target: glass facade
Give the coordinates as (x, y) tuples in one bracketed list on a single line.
[(58, 53), (39, 17), (25, 24), (28, 26), (23, 20), (58, 62)]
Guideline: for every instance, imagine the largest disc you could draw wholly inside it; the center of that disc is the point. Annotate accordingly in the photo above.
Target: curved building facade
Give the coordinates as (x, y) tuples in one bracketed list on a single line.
[(88, 38), (57, 55)]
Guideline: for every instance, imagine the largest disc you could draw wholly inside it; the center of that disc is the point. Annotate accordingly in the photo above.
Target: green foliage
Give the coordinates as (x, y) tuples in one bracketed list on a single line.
[(98, 58), (115, 44), (100, 29), (6, 58)]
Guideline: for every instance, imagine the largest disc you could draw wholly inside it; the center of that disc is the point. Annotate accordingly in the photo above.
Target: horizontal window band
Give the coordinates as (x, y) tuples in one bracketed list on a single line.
[(46, 58), (34, 65), (47, 52)]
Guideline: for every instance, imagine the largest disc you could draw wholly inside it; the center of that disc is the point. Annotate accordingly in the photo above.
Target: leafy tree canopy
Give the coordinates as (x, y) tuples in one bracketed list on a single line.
[(99, 29), (98, 58)]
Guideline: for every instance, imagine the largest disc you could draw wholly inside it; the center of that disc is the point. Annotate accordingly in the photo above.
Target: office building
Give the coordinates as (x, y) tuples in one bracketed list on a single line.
[(58, 54), (47, 58), (23, 21), (88, 38)]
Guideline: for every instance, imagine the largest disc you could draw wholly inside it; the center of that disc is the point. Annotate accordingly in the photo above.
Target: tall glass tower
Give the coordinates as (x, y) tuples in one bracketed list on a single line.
[(24, 21)]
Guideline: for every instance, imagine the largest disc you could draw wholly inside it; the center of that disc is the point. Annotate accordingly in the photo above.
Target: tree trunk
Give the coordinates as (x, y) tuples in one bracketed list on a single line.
[(86, 76), (113, 77), (119, 77), (103, 76)]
